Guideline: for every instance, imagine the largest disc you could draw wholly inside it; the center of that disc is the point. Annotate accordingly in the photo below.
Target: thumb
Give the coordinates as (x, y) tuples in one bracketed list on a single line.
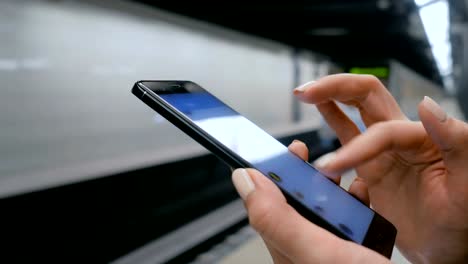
[(448, 134), (278, 223), (287, 231)]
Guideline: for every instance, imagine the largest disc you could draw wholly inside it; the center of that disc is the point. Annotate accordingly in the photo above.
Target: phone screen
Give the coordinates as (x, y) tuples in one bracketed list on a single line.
[(274, 160)]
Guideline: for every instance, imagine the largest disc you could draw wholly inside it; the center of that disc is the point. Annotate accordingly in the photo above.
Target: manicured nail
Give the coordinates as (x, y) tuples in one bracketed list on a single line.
[(434, 108), (324, 160), (303, 87), (243, 183)]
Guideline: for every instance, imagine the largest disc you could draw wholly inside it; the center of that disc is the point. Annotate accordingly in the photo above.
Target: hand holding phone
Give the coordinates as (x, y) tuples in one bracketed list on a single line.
[(288, 236), (242, 144)]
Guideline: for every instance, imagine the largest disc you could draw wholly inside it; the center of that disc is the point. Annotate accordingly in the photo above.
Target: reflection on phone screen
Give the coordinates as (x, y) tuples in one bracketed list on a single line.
[(272, 158)]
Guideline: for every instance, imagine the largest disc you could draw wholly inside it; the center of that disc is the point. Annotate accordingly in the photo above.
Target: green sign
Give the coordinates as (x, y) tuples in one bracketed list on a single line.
[(380, 72)]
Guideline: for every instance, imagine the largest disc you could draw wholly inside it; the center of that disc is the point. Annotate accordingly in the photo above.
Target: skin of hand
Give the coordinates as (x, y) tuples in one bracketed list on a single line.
[(415, 174)]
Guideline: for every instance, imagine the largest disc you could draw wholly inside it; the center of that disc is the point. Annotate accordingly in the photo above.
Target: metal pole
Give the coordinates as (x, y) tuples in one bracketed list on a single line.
[(296, 111)]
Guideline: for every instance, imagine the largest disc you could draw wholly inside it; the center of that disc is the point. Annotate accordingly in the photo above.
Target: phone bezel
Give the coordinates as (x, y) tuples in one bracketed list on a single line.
[(381, 233)]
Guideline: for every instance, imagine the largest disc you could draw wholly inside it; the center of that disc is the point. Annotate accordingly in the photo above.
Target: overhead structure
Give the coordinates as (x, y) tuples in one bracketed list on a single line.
[(349, 32)]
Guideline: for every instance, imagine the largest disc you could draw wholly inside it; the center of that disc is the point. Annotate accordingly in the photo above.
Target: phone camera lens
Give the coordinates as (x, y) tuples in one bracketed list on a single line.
[(275, 176)]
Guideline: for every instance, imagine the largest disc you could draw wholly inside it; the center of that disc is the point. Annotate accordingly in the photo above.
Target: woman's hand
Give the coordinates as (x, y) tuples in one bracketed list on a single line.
[(289, 237), (416, 173)]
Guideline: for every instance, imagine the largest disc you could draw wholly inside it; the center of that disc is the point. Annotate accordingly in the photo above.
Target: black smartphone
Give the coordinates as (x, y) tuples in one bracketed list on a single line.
[(242, 144)]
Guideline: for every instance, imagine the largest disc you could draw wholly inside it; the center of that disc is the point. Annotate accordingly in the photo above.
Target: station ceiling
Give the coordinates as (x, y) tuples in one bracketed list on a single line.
[(349, 32)]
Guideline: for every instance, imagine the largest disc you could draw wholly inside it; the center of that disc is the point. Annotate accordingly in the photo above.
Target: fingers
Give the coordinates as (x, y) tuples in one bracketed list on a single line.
[(344, 128), (280, 225), (359, 189), (322, 161), (451, 138), (391, 135), (299, 149), (447, 133), (365, 92)]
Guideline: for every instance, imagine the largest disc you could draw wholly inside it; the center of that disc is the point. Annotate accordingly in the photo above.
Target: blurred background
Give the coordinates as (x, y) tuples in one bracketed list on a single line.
[(90, 174)]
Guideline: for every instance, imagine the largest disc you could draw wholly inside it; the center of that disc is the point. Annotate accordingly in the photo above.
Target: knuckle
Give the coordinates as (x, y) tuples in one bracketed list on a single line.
[(371, 81), (390, 125), (380, 127)]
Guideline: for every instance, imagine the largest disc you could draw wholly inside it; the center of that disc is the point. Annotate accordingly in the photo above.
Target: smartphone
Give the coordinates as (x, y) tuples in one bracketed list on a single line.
[(241, 144)]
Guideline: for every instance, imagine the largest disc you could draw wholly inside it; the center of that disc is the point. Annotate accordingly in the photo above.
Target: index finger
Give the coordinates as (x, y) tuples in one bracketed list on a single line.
[(382, 137), (366, 92)]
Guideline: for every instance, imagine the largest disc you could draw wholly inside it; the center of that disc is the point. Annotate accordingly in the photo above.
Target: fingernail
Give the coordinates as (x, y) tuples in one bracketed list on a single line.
[(324, 160), (243, 183), (303, 87), (435, 109)]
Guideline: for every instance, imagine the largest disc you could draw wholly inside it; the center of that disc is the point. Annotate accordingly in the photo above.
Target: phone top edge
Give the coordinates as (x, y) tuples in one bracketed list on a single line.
[(138, 91), (141, 82), (152, 99), (164, 81)]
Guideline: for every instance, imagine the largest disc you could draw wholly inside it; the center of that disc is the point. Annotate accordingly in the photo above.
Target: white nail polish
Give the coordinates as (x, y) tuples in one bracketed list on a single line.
[(435, 109), (324, 160), (243, 183), (303, 87)]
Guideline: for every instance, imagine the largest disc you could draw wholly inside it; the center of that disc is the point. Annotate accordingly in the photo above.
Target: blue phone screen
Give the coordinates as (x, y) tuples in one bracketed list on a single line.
[(266, 154)]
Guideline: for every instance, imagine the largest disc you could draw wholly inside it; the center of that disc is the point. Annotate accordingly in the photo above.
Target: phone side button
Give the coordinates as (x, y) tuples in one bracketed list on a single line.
[(143, 95)]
